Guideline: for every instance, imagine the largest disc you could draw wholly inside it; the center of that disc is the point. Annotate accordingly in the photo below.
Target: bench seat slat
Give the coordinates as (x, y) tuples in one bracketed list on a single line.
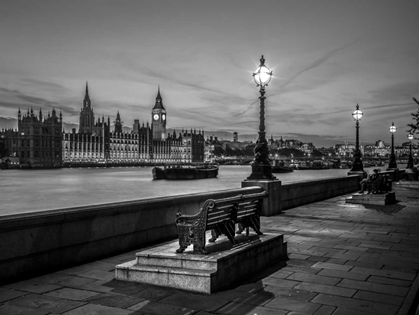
[(218, 220)]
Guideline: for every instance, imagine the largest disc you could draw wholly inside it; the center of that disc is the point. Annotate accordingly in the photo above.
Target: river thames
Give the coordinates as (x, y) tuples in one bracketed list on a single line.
[(35, 190)]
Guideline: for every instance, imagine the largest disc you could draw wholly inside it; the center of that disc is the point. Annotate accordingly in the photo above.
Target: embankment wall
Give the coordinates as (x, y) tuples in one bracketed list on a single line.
[(42, 242), (45, 241), (301, 193)]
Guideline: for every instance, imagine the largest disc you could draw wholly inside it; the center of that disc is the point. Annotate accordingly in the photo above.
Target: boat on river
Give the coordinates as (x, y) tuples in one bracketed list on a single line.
[(280, 167), (185, 171)]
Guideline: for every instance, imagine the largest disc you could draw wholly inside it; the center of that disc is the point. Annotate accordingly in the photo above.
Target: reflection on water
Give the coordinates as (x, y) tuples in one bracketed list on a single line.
[(34, 190)]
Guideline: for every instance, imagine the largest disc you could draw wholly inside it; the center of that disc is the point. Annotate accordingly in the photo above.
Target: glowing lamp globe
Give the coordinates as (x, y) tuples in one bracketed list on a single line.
[(262, 76), (392, 129), (357, 114), (410, 136)]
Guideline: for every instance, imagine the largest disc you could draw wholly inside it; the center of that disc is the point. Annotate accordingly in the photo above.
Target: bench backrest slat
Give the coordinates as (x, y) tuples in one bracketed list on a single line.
[(234, 207)]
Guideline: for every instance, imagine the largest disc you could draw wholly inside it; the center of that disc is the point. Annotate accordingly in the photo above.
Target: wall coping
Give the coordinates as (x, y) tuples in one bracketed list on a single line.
[(322, 180), (107, 209)]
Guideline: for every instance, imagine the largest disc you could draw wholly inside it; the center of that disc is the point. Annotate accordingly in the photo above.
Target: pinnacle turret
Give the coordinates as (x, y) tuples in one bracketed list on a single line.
[(86, 100), (87, 90), (159, 103)]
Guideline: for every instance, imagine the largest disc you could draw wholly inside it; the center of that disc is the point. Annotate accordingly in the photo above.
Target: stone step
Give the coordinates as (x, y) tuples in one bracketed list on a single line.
[(167, 257), (225, 264), (372, 199), (406, 185), (178, 278)]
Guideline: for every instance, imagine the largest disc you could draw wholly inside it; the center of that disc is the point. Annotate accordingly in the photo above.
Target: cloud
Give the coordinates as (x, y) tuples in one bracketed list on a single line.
[(15, 98), (45, 85), (400, 91), (316, 63), (246, 110)]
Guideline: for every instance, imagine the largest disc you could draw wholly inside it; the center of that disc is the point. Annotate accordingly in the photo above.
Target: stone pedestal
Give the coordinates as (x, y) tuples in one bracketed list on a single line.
[(406, 184), (261, 172), (396, 176), (271, 204), (223, 266), (360, 173), (372, 199)]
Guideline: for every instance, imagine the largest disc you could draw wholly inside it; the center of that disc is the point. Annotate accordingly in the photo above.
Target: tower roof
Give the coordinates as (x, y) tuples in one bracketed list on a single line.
[(159, 103), (87, 92)]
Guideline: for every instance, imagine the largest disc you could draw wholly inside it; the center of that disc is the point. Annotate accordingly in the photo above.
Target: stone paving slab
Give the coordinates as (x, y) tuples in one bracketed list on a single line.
[(10, 294), (92, 309), (45, 303), (15, 310), (344, 259), (72, 294)]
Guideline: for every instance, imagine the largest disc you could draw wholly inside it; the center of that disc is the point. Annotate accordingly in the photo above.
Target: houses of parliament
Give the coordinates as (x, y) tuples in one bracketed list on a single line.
[(41, 142)]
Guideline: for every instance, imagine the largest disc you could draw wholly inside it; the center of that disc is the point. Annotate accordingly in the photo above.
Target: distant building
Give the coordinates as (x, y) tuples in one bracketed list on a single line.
[(159, 119), (37, 141), (381, 149), (210, 147), (41, 142), (404, 149), (347, 149), (97, 144), (307, 148), (236, 144), (91, 144)]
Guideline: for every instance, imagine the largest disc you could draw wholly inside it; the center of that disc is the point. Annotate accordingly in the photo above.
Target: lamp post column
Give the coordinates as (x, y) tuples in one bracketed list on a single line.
[(261, 133), (261, 165), (410, 163), (262, 173), (392, 159), (357, 165)]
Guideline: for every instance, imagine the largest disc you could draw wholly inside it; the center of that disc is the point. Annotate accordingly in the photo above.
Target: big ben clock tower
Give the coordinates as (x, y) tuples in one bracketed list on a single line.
[(159, 119)]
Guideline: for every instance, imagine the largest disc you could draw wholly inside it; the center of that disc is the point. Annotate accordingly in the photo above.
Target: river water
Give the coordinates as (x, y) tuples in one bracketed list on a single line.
[(35, 190)]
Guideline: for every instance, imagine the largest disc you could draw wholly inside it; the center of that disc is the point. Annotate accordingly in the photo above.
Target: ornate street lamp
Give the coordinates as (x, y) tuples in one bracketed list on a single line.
[(261, 165), (410, 163), (357, 165), (392, 160)]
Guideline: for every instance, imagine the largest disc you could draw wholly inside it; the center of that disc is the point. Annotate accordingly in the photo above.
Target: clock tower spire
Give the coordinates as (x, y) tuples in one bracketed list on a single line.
[(159, 118)]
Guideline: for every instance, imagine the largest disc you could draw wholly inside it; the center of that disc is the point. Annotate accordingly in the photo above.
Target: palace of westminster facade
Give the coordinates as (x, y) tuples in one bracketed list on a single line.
[(42, 142)]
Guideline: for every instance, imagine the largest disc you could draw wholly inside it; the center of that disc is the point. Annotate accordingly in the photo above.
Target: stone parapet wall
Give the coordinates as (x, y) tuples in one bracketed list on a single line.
[(301, 193), (41, 242)]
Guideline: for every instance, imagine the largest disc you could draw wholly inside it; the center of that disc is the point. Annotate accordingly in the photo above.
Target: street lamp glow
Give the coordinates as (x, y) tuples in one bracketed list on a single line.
[(357, 165), (262, 76), (392, 129), (261, 165), (357, 114)]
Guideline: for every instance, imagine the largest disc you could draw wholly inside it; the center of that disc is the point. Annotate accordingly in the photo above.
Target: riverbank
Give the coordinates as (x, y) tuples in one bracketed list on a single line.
[(343, 259)]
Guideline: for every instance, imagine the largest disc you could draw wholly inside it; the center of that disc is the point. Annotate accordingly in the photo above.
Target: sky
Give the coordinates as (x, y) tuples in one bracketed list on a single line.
[(326, 57)]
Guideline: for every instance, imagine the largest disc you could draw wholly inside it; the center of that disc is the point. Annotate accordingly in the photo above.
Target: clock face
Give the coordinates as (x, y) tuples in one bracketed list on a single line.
[(163, 116), (156, 117)]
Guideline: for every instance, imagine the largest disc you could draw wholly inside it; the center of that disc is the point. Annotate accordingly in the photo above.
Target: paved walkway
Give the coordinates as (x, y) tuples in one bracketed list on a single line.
[(345, 259)]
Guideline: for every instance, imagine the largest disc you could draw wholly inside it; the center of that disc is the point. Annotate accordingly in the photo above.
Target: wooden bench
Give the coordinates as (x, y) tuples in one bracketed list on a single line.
[(219, 216), (381, 184)]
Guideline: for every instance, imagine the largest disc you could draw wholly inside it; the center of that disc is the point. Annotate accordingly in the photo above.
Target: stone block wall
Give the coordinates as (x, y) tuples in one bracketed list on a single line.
[(42, 242), (301, 193)]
